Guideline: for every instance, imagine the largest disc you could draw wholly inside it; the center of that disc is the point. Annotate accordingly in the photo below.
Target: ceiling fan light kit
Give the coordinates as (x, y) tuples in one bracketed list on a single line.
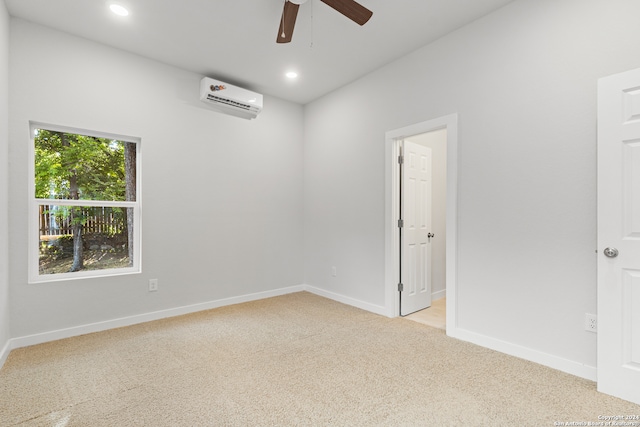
[(349, 8)]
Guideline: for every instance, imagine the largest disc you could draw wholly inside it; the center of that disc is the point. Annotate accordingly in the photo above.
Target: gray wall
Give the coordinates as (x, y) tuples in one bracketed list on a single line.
[(221, 196), (4, 178), (523, 81)]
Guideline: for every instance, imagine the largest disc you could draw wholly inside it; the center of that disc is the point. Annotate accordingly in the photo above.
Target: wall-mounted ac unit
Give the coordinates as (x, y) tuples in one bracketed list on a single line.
[(230, 99)]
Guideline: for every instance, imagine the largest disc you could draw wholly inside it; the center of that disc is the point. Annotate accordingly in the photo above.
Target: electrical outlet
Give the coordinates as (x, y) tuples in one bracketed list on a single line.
[(591, 322), (153, 285), (334, 271)]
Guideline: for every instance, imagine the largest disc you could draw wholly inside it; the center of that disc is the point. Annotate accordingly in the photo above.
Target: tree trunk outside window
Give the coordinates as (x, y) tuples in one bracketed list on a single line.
[(76, 216)]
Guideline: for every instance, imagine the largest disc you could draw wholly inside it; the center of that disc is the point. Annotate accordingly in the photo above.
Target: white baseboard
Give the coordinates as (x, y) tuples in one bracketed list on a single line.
[(377, 309), (146, 317), (551, 361), (4, 353), (438, 295)]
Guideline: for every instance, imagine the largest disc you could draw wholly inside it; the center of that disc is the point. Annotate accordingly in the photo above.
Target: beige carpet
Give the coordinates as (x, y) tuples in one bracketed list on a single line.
[(295, 360)]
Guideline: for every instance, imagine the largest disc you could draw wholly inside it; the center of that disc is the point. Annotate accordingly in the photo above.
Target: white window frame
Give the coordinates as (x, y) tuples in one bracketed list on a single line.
[(34, 231)]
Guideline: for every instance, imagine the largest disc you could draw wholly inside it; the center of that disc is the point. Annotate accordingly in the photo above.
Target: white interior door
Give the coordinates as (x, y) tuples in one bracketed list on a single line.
[(416, 228), (619, 235)]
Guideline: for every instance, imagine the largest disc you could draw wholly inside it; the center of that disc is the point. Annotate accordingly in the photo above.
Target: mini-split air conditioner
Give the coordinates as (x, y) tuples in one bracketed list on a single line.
[(229, 99)]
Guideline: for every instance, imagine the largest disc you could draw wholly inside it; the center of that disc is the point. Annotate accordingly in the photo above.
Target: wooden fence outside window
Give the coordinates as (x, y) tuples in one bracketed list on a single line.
[(56, 220)]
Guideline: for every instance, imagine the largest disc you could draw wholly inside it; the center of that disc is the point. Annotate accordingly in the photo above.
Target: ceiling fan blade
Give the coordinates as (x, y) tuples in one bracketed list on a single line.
[(287, 22), (351, 9)]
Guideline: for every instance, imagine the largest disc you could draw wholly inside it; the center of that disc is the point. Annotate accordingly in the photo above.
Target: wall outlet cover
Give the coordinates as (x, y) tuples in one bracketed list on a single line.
[(591, 322)]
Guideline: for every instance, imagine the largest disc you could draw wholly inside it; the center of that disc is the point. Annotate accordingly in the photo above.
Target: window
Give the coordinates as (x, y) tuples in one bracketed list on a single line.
[(85, 204)]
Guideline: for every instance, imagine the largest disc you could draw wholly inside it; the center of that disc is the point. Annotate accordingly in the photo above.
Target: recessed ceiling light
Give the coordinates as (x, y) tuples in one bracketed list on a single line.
[(119, 10), (291, 75)]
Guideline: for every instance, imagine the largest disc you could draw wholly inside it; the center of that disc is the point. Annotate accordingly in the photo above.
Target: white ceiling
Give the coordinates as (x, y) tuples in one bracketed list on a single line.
[(235, 40)]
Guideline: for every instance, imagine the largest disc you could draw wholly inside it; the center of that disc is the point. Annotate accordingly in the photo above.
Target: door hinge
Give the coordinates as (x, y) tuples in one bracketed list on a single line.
[(400, 287), (400, 160), (400, 223)]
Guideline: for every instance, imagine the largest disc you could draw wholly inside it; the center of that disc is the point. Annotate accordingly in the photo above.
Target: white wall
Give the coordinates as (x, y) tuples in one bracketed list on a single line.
[(221, 196), (523, 81), (437, 142), (4, 180)]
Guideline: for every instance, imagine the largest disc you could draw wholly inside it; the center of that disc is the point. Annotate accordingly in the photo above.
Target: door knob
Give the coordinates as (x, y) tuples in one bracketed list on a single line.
[(611, 252)]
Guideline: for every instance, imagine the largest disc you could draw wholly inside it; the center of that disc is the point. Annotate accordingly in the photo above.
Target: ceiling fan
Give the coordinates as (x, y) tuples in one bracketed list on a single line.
[(349, 8)]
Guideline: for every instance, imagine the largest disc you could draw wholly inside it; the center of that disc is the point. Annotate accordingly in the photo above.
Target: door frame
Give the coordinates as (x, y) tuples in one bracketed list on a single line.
[(392, 194)]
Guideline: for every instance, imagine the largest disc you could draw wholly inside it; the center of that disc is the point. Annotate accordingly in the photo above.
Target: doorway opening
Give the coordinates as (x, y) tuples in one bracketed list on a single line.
[(423, 265), (440, 135)]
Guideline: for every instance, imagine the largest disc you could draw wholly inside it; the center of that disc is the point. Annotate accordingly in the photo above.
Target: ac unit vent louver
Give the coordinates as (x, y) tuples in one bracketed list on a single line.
[(228, 102)]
